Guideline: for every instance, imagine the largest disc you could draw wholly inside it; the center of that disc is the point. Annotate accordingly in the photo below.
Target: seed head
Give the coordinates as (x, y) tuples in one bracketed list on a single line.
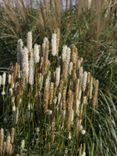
[(95, 97), (31, 70), (9, 78), (57, 76), (54, 44), (19, 51), (70, 67), (22, 144), (25, 63), (29, 41), (36, 53), (64, 53), (84, 83), (4, 79)]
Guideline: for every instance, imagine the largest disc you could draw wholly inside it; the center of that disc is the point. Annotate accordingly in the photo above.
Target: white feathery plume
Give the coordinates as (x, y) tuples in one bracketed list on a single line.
[(9, 78), (69, 135), (84, 153), (78, 102), (3, 83), (36, 53), (29, 106), (70, 67), (4, 79), (13, 108), (31, 70), (54, 44), (58, 70), (17, 115), (19, 51), (25, 63), (68, 55), (45, 41), (89, 4), (22, 144), (64, 53), (29, 41), (44, 45), (81, 72), (47, 83), (11, 91), (72, 116), (3, 92), (84, 83)]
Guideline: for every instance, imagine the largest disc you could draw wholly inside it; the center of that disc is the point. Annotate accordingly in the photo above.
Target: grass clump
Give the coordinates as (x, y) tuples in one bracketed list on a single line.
[(47, 104), (91, 27)]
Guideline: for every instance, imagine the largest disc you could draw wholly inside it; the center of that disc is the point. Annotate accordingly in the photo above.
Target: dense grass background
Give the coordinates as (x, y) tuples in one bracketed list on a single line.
[(94, 32)]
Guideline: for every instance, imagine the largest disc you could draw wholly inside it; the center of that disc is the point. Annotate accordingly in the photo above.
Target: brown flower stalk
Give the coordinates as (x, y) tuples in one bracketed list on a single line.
[(82, 108), (91, 88), (45, 48), (77, 95), (51, 95), (8, 146), (1, 140), (74, 55), (95, 96), (70, 109), (64, 99), (88, 83), (46, 93), (12, 135)]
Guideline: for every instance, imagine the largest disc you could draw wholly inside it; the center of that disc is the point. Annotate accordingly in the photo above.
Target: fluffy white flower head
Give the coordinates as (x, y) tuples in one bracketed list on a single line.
[(31, 70), (4, 78), (36, 53), (29, 41), (54, 44), (57, 76), (25, 63)]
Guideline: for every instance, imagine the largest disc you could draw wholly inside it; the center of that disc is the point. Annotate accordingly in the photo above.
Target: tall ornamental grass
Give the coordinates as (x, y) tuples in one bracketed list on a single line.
[(90, 25), (45, 97)]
